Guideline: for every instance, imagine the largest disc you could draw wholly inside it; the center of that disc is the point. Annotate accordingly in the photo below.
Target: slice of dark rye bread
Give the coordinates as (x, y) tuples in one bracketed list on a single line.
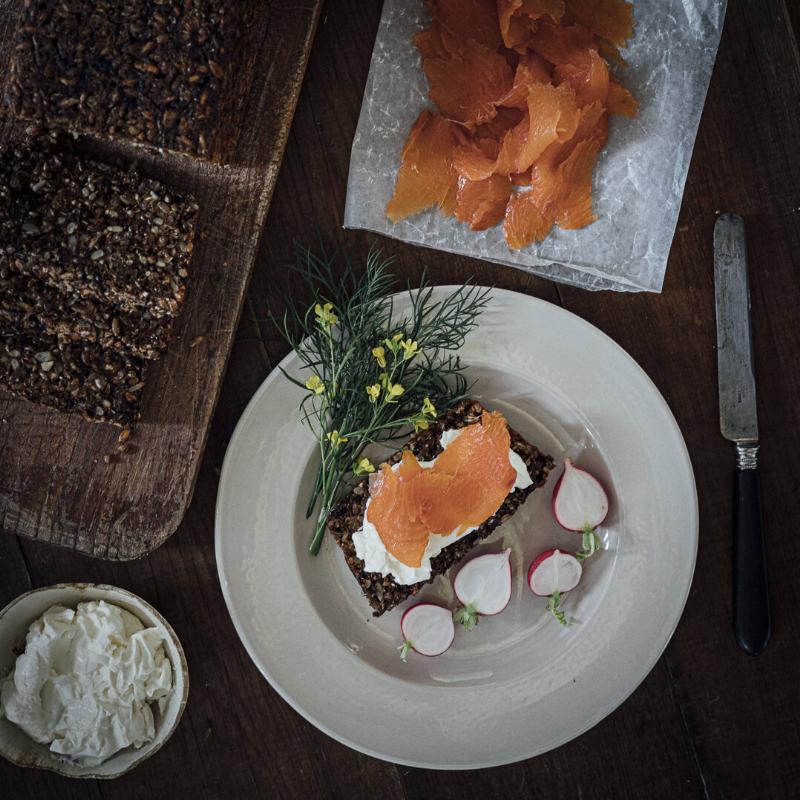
[(81, 377), (382, 592), (27, 306), (144, 72), (89, 229)]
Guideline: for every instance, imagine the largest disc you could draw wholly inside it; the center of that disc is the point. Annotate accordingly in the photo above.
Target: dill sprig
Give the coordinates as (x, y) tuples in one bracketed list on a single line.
[(371, 377)]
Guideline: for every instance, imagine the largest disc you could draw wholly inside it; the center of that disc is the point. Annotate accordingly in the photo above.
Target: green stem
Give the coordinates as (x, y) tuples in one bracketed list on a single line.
[(466, 616), (319, 533), (554, 607), (590, 544)]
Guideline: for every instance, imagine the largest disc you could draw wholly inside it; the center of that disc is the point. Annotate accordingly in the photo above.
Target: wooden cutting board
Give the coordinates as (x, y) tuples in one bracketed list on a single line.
[(66, 481)]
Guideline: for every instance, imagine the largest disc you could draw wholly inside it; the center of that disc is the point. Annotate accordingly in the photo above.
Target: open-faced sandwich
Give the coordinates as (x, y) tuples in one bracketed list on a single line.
[(429, 504)]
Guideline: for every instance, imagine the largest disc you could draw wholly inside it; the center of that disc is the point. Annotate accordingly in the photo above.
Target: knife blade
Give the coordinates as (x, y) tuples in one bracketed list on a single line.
[(737, 382), (738, 416)]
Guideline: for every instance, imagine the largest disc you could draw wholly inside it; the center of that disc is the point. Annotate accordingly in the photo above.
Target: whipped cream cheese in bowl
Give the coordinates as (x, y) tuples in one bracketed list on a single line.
[(99, 680)]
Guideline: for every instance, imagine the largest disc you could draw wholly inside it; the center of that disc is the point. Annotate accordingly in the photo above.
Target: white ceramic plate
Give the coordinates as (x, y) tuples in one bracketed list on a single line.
[(519, 684)]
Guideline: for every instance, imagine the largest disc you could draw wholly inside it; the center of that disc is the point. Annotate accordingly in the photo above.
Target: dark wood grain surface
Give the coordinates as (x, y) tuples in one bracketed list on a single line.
[(709, 721), (64, 480)]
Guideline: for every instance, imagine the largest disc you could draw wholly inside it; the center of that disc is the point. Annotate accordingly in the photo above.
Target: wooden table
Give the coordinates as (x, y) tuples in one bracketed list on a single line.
[(709, 721)]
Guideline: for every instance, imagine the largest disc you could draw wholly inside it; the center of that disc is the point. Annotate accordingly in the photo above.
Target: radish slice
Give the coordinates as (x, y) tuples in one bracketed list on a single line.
[(553, 574), (554, 571), (580, 504), (427, 629), (483, 586)]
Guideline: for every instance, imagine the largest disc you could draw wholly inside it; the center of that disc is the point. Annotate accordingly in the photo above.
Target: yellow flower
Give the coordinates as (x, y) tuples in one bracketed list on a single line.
[(336, 439), (421, 424), (364, 467), (380, 356), (428, 408), (394, 343), (374, 392), (393, 391), (325, 315), (409, 348), (315, 384), (384, 379)]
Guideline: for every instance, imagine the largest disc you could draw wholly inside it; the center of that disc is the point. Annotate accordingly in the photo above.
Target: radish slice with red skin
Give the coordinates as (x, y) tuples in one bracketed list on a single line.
[(553, 574), (427, 629), (579, 500), (554, 571), (483, 587), (580, 504)]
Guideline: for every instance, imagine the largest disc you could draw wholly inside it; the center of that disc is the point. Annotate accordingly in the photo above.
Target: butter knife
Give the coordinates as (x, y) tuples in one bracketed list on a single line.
[(739, 424)]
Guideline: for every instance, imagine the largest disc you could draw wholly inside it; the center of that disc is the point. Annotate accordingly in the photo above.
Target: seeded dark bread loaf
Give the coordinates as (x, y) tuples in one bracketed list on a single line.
[(384, 593), (145, 72)]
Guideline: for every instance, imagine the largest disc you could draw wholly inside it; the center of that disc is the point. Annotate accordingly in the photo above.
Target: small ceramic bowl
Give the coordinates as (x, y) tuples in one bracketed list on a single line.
[(15, 619)]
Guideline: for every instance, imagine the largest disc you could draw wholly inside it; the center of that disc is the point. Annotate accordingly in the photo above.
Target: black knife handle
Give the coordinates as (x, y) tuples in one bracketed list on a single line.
[(751, 617)]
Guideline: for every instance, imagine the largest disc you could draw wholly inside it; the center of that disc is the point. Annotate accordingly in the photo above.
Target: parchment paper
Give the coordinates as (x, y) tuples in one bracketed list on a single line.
[(639, 178)]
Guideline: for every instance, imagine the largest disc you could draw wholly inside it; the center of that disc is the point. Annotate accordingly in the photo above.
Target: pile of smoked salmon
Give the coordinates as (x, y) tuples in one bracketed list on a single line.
[(467, 483), (523, 92)]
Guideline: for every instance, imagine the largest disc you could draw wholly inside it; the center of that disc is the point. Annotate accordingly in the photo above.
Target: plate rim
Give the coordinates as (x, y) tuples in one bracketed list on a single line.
[(591, 720)]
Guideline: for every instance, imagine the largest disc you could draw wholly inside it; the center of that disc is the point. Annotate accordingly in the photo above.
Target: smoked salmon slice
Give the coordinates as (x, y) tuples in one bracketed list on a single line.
[(590, 82), (426, 176), (621, 101), (559, 195), (483, 447), (429, 44), (505, 119), (467, 87), (524, 94), (552, 116), (593, 124), (409, 466), (439, 502), (610, 53), (530, 69), (467, 483), (611, 20), (562, 44), (478, 461), (460, 20), (517, 17), (475, 159), (573, 207), (390, 501), (482, 204)]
